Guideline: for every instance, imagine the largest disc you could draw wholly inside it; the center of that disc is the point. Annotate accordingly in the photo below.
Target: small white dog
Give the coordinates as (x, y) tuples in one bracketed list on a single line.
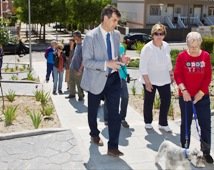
[(176, 156)]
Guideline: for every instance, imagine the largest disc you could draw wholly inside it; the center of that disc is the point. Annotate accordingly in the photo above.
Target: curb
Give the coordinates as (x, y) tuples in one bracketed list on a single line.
[(28, 133), (20, 81)]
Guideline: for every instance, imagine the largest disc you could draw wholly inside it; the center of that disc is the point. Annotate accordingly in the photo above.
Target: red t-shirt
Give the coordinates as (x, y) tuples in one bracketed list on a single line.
[(194, 72)]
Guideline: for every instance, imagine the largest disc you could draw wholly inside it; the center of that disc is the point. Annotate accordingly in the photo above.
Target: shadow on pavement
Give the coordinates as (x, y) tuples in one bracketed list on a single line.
[(96, 160), (156, 139), (79, 106), (125, 133)]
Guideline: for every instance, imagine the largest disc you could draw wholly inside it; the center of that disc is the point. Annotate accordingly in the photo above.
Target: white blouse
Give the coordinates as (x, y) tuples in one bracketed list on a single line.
[(156, 63)]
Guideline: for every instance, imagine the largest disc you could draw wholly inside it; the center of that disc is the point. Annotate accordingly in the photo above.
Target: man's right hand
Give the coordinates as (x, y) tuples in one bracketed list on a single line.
[(114, 65)]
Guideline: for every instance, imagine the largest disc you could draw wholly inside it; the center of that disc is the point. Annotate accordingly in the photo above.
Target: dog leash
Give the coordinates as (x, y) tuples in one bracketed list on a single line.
[(186, 128), (196, 120)]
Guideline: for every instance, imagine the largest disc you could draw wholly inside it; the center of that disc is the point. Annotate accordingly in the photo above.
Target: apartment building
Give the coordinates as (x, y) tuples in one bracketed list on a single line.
[(6, 8), (173, 13)]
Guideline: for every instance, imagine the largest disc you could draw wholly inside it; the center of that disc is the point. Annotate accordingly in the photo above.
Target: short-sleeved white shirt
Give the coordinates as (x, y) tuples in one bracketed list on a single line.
[(156, 63)]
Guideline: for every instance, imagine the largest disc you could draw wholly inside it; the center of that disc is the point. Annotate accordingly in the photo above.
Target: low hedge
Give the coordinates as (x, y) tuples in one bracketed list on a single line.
[(174, 54), (134, 63), (208, 44)]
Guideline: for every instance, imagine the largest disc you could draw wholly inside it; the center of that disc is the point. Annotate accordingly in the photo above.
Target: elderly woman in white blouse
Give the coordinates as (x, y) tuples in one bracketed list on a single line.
[(156, 74)]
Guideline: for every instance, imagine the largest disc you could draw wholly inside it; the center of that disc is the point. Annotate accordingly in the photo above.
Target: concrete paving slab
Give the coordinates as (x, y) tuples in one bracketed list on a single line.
[(58, 150)]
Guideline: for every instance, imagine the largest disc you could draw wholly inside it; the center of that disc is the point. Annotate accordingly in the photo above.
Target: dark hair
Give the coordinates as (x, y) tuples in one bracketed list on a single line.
[(77, 33), (108, 11), (71, 39)]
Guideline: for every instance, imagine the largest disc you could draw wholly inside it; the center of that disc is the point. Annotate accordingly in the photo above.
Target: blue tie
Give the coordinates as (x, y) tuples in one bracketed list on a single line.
[(108, 42)]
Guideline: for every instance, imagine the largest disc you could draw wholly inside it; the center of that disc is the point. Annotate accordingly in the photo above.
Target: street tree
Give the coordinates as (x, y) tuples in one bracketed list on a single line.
[(79, 13), (42, 12), (4, 34), (86, 13)]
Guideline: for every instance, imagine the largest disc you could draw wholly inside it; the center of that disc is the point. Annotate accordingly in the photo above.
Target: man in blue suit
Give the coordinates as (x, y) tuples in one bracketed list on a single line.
[(101, 61)]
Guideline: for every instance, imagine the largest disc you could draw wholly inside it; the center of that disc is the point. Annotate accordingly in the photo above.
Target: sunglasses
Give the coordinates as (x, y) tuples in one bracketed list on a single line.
[(159, 34)]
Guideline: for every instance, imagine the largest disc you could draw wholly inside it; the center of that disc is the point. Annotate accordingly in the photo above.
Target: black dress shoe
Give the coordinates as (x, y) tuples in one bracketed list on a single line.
[(106, 123), (81, 99), (114, 152), (124, 124), (70, 96), (96, 140), (208, 158), (54, 93), (60, 92)]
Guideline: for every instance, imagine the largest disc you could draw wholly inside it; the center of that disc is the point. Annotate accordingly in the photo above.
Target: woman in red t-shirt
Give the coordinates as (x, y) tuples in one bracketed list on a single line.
[(193, 74)]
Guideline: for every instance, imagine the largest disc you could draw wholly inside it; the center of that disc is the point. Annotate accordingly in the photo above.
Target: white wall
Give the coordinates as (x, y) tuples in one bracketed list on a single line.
[(132, 12)]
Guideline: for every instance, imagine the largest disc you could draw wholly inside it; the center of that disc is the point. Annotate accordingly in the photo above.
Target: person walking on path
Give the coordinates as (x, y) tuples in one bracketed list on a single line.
[(1, 59), (58, 68), (124, 95), (100, 77), (49, 55), (156, 71), (76, 68), (193, 73), (69, 51)]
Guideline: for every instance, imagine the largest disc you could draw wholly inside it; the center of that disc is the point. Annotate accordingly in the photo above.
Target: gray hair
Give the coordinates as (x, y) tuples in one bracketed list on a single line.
[(53, 42), (192, 37)]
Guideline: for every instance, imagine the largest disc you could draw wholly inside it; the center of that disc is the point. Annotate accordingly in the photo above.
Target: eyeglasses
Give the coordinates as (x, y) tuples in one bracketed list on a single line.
[(159, 34)]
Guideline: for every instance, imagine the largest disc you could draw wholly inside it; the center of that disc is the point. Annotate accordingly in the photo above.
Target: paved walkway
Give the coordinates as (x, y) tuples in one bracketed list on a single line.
[(139, 146), (72, 149)]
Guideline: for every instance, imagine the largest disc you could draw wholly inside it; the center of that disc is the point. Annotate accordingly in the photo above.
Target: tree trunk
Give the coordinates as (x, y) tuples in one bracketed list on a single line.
[(40, 31), (44, 32)]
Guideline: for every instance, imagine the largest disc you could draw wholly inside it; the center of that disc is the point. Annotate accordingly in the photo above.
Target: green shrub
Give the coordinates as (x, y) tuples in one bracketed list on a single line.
[(16, 68), (30, 76), (38, 94), (11, 95), (212, 58), (36, 119), (6, 69), (10, 115), (24, 66), (208, 44), (134, 63), (142, 92), (174, 53), (21, 69), (44, 98), (171, 110), (14, 77), (47, 110), (133, 90), (138, 46), (157, 102), (12, 69)]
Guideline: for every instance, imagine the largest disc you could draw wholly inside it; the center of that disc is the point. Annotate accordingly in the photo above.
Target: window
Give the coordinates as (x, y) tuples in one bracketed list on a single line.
[(178, 10), (211, 11), (155, 10)]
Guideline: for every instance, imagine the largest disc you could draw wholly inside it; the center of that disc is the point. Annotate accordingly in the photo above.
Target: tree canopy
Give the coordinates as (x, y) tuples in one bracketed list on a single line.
[(4, 34), (78, 12)]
